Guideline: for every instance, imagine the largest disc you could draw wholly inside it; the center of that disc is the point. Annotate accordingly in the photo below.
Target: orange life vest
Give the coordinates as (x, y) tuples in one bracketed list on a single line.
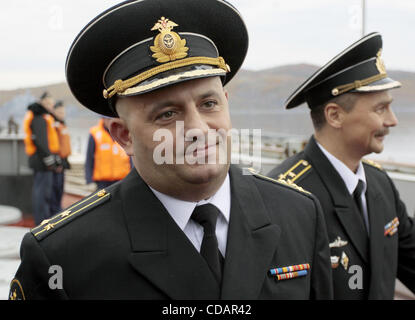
[(111, 163), (53, 141), (64, 140)]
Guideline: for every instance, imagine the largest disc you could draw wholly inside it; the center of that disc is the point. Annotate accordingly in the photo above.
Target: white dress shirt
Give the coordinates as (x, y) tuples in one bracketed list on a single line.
[(350, 178), (181, 211)]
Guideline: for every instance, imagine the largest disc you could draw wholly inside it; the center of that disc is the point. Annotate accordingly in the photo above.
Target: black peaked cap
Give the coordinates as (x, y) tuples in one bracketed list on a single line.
[(118, 53), (358, 68)]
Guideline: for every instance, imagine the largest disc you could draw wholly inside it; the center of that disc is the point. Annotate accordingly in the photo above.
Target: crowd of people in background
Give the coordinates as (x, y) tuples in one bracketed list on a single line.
[(48, 146)]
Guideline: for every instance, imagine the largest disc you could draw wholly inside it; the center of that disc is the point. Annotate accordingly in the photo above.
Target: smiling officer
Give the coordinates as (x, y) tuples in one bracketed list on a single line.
[(372, 239), (179, 230)]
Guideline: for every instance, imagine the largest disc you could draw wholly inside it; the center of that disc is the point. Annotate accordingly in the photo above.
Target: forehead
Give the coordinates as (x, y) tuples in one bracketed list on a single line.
[(375, 98), (175, 93)]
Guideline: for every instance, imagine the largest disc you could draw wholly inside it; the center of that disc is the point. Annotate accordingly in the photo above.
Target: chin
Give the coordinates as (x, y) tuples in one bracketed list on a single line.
[(377, 149), (201, 174)]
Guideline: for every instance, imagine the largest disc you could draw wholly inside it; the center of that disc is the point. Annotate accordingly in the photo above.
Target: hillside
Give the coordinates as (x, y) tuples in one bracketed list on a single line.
[(251, 92)]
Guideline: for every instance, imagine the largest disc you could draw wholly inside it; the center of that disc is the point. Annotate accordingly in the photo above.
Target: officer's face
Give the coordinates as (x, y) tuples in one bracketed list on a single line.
[(367, 124), (186, 109)]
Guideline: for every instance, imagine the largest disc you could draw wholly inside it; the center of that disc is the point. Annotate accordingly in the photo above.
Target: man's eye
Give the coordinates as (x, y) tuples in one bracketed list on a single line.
[(166, 115), (380, 109), (209, 104)]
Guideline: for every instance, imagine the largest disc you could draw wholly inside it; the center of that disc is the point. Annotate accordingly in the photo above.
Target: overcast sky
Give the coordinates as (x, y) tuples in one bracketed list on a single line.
[(35, 35)]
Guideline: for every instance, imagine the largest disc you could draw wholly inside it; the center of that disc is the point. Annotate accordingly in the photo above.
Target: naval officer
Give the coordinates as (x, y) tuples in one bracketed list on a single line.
[(372, 239), (173, 229)]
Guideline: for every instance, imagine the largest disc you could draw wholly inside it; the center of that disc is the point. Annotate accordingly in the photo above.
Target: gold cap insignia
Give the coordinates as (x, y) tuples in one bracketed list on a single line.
[(168, 46), (379, 63)]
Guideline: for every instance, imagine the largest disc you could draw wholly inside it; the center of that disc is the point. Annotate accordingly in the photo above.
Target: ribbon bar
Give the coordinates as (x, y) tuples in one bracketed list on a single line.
[(297, 267), (291, 275)]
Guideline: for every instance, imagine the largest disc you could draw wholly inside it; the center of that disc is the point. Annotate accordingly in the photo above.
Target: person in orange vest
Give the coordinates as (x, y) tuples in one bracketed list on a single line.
[(42, 147), (64, 153), (106, 162)]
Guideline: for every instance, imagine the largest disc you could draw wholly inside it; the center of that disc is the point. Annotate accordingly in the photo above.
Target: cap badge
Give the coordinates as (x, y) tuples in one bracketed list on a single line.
[(168, 46), (379, 63)]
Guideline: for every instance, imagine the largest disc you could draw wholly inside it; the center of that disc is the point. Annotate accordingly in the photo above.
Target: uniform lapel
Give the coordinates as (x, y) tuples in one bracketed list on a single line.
[(375, 210), (252, 240), (342, 201), (161, 252)]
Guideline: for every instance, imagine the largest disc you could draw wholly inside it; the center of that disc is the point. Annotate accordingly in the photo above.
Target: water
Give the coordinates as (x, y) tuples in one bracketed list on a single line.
[(399, 144)]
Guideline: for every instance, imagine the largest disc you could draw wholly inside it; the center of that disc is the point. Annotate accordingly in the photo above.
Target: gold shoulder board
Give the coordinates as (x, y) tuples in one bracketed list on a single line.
[(295, 171), (372, 163), (50, 225), (279, 181)]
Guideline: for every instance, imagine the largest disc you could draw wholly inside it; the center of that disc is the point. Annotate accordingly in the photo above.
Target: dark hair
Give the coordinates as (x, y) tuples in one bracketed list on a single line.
[(346, 101), (45, 95), (58, 104)]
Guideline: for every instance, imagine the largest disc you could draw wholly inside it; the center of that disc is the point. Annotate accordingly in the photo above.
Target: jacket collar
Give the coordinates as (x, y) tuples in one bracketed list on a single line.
[(350, 178)]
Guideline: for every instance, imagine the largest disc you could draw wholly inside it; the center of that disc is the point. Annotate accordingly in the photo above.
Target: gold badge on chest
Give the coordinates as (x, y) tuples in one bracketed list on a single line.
[(338, 243), (344, 261), (334, 261)]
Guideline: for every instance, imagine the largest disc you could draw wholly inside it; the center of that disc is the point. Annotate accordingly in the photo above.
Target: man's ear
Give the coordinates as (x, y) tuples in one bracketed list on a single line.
[(119, 131), (334, 115)]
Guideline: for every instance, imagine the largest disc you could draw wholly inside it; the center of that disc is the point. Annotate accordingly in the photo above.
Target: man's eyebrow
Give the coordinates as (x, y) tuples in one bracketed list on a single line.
[(155, 107), (208, 94), (384, 102)]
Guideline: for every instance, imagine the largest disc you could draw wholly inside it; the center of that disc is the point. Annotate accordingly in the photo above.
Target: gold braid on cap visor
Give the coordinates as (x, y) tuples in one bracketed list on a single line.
[(120, 86), (360, 83), (357, 84)]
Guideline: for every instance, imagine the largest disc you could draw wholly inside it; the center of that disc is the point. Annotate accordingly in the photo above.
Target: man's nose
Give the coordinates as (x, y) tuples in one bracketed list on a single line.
[(195, 124), (391, 120)]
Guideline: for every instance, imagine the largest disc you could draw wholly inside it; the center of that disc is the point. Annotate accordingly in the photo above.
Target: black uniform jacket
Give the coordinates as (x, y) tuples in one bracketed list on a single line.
[(121, 243), (381, 257)]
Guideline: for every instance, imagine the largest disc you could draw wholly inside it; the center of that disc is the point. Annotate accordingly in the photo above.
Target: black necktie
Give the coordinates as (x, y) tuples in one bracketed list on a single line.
[(357, 195), (206, 215)]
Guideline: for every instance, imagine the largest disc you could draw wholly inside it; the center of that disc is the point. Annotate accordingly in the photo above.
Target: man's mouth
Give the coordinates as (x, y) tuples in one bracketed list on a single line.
[(205, 149), (381, 135)]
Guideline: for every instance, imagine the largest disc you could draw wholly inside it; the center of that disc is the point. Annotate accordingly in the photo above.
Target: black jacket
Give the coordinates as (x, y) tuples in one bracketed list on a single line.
[(43, 159), (382, 257), (123, 244)]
